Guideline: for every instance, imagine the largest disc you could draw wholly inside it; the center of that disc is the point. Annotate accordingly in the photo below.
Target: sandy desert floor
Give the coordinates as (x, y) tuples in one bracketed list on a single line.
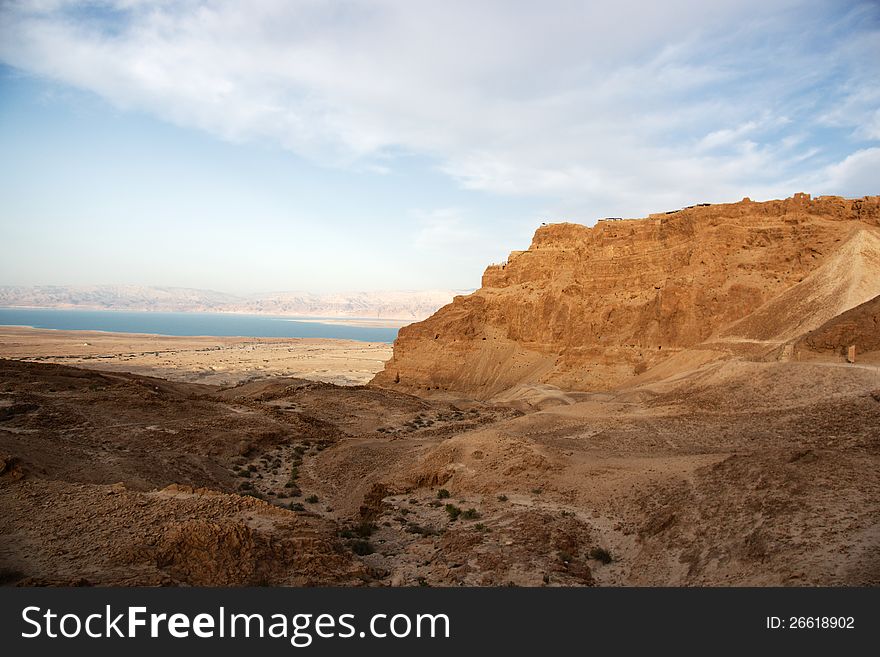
[(212, 360), (736, 472)]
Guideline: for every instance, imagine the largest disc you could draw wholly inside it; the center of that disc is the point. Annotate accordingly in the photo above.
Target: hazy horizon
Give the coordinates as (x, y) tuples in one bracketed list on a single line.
[(392, 145), (242, 293)]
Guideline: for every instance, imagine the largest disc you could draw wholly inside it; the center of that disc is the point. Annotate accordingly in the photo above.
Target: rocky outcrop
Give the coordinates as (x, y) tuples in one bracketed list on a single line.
[(858, 327), (586, 308)]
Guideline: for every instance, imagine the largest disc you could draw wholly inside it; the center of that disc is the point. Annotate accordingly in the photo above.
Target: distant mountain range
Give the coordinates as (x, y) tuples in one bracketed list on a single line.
[(410, 305)]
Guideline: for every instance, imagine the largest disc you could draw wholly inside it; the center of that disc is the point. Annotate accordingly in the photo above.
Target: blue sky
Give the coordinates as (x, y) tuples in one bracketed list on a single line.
[(395, 144)]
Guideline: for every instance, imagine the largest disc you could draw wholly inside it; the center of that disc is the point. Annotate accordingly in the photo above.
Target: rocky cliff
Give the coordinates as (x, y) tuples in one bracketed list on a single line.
[(859, 328), (587, 308)]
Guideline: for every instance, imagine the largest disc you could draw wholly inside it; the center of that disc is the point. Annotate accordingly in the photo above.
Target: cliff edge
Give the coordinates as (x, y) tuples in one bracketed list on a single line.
[(589, 308)]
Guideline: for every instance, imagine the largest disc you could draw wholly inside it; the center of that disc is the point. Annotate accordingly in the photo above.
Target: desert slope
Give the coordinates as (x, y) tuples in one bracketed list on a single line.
[(858, 327), (589, 308)]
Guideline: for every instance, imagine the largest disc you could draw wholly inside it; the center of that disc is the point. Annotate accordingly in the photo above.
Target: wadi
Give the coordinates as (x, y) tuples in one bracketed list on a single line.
[(686, 399)]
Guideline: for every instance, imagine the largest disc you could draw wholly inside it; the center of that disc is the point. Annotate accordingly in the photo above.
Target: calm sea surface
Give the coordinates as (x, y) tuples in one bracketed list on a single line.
[(220, 324)]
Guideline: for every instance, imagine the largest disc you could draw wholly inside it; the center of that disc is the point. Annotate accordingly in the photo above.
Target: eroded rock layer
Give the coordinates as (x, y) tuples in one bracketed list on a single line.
[(587, 308)]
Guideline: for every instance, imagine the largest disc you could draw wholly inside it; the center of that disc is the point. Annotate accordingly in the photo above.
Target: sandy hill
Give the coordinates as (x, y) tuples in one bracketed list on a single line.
[(590, 308)]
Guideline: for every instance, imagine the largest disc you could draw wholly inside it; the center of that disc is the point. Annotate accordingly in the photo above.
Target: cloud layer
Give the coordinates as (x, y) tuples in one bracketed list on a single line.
[(596, 107)]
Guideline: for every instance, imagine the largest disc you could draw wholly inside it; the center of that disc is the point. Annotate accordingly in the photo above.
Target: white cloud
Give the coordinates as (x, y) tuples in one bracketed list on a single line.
[(621, 107), (857, 175)]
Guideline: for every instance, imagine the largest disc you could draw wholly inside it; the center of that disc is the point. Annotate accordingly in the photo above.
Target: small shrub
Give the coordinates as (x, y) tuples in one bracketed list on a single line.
[(312, 499), (362, 548), (453, 511), (470, 514), (414, 528), (365, 529), (537, 491), (442, 494), (245, 473), (601, 554), (297, 506)]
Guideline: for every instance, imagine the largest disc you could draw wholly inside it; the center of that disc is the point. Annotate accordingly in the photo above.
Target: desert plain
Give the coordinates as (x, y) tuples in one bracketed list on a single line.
[(689, 399), (214, 360)]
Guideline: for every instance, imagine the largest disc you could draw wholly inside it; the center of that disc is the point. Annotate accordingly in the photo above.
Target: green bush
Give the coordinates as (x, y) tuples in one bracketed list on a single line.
[(365, 529), (601, 554), (470, 514), (453, 511), (442, 494), (415, 528), (312, 499)]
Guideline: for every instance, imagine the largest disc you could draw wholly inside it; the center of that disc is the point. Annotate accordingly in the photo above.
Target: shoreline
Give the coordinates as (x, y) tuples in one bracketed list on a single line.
[(366, 322)]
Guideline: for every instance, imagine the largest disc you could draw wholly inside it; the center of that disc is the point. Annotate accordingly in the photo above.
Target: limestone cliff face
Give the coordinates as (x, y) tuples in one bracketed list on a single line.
[(587, 308)]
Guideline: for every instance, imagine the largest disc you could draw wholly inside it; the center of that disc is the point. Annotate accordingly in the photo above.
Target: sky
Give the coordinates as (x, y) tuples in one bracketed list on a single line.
[(399, 144)]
